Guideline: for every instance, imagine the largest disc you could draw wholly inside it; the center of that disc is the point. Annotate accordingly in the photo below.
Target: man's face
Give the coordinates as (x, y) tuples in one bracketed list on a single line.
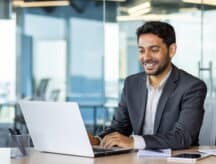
[(153, 54)]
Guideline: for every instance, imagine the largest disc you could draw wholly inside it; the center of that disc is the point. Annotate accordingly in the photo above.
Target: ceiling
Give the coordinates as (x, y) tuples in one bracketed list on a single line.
[(163, 6), (157, 6)]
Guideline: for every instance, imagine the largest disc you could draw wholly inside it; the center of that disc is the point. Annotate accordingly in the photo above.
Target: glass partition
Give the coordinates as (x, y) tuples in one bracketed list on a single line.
[(7, 70), (194, 25), (61, 54), (194, 30)]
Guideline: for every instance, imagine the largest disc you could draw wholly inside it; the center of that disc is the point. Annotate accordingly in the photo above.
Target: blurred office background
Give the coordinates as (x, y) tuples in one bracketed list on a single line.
[(82, 50)]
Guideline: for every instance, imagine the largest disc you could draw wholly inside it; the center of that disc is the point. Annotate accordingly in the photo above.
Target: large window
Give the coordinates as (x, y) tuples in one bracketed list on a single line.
[(194, 29), (62, 55), (196, 53), (7, 70)]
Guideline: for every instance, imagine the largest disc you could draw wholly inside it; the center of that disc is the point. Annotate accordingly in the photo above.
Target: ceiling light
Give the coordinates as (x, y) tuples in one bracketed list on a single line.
[(21, 3), (206, 2), (149, 17), (191, 9), (141, 12), (160, 17), (139, 7), (113, 0)]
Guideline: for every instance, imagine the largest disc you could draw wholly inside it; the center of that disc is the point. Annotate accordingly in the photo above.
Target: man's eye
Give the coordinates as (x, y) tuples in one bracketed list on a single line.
[(155, 50)]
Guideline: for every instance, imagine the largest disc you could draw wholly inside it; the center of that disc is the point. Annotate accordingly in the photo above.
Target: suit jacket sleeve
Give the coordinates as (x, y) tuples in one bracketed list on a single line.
[(186, 129), (121, 122)]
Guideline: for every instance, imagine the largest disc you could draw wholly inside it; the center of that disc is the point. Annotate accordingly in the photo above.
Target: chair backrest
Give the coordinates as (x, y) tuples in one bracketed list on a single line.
[(54, 95), (41, 89)]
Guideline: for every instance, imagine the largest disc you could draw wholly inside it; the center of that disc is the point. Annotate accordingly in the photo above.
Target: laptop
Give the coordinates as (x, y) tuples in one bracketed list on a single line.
[(58, 127)]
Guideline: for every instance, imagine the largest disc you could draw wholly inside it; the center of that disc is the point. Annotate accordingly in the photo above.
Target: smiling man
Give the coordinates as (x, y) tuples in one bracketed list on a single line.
[(161, 107)]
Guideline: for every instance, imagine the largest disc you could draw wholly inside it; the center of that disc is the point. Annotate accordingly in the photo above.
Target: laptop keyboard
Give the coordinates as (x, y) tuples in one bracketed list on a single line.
[(101, 150)]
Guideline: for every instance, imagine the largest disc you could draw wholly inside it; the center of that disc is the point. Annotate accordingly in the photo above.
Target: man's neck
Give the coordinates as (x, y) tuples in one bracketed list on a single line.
[(156, 80)]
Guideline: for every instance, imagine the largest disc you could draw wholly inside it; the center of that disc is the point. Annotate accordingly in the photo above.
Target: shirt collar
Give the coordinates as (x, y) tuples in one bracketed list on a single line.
[(162, 83)]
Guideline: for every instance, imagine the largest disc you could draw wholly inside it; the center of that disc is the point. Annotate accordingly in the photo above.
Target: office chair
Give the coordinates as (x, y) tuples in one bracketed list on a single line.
[(40, 92), (54, 95)]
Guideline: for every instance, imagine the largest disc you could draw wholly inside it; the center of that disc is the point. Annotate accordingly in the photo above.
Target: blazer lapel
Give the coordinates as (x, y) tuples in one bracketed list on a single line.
[(142, 104), (168, 89)]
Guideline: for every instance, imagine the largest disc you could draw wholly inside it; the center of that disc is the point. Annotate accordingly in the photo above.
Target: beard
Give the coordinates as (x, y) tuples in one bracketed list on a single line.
[(162, 66)]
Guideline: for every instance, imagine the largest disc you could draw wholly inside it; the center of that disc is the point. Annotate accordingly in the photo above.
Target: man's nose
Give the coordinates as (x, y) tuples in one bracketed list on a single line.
[(145, 56)]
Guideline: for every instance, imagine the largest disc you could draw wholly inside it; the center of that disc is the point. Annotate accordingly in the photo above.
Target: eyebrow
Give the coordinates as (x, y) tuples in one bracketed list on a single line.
[(152, 46)]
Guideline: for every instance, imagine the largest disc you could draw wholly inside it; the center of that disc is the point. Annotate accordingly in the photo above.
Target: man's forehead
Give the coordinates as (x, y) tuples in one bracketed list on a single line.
[(149, 40)]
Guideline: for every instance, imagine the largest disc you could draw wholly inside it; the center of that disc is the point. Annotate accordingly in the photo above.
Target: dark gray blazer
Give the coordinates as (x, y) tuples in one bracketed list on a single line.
[(179, 113)]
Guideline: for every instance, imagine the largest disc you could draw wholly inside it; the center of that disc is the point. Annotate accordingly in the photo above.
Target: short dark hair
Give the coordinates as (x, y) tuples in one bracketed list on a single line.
[(162, 29)]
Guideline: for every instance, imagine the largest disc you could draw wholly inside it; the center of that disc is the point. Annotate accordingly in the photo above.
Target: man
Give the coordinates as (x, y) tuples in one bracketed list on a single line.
[(161, 107)]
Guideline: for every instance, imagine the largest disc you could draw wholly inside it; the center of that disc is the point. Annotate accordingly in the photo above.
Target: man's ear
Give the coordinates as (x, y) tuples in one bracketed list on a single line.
[(172, 50)]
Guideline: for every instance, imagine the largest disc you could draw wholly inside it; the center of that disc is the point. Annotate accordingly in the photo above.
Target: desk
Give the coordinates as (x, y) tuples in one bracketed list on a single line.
[(130, 158)]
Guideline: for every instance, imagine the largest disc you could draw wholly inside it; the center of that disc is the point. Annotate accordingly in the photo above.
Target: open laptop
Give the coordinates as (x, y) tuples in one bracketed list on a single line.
[(58, 127)]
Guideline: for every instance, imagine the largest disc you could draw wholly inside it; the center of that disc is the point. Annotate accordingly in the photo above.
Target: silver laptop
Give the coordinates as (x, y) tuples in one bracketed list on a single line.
[(58, 127)]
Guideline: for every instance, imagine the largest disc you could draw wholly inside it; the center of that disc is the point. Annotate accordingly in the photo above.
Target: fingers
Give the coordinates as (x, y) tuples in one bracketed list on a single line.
[(110, 140), (90, 135), (117, 139), (94, 140)]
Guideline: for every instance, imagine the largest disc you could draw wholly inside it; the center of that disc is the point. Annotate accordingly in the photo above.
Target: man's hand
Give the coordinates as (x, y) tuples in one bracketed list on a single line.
[(93, 140), (117, 139)]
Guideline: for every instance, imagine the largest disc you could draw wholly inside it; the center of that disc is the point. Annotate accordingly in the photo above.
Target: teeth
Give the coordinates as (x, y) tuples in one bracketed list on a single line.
[(149, 64)]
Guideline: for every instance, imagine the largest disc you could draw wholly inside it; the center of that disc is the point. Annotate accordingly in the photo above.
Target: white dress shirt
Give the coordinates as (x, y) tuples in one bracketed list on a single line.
[(151, 107)]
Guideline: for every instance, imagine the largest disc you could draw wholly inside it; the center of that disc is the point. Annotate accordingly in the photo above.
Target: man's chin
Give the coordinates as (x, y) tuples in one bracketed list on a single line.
[(151, 73)]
